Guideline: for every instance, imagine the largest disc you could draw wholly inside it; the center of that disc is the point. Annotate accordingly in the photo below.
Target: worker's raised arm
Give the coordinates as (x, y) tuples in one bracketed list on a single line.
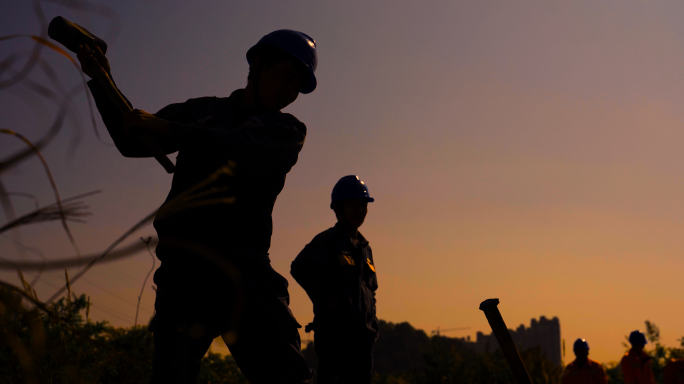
[(93, 61), (128, 145)]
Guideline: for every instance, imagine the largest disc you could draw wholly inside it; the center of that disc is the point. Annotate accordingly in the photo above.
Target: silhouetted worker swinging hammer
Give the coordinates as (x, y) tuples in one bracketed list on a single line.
[(216, 277)]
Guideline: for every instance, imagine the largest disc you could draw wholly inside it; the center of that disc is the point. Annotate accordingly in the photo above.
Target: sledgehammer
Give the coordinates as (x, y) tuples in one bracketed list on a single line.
[(489, 307), (72, 35)]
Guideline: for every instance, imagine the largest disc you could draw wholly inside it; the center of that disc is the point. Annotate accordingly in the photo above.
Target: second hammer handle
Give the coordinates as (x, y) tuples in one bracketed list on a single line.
[(506, 343), (143, 136)]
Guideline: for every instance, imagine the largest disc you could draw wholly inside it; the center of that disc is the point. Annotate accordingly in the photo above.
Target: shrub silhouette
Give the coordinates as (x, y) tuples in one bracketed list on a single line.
[(57, 345)]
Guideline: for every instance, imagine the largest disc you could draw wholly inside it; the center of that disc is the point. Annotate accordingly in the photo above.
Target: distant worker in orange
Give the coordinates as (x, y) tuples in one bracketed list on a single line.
[(674, 372), (636, 364), (584, 370)]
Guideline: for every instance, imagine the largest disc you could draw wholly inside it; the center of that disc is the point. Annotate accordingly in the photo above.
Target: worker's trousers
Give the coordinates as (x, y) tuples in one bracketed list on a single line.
[(246, 301), (342, 358)]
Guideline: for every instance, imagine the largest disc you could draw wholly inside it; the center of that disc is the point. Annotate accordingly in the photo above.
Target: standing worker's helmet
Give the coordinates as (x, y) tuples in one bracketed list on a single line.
[(637, 337), (350, 187), (580, 345), (298, 44)]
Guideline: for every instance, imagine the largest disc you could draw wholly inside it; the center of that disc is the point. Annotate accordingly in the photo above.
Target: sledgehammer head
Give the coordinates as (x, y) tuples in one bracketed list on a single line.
[(71, 35)]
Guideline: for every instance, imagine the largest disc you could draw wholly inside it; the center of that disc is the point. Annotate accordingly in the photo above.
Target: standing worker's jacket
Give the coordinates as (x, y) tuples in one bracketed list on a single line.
[(591, 372), (332, 267), (233, 213), (636, 368), (674, 372)]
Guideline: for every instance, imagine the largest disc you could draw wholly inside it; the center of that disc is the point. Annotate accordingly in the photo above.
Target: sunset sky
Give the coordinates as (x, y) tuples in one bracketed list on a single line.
[(524, 150)]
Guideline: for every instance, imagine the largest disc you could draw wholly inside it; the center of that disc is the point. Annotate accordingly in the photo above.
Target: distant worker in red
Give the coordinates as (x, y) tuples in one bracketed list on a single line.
[(583, 370), (674, 372), (337, 271), (636, 364)]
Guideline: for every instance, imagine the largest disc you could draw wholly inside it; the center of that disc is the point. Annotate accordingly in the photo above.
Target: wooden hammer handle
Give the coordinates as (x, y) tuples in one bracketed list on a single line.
[(143, 136), (491, 310)]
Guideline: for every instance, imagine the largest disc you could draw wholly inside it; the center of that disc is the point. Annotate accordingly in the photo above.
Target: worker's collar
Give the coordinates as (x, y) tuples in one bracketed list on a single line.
[(362, 240)]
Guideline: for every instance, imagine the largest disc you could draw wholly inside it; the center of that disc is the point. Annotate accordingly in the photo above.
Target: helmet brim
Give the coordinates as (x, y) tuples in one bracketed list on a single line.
[(311, 82)]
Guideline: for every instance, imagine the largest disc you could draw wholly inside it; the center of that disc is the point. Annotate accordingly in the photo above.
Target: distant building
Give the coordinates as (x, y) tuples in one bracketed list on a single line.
[(544, 333)]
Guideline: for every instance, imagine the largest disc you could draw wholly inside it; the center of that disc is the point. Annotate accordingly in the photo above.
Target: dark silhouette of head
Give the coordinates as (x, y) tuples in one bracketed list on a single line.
[(281, 65), (349, 200), (638, 340), (581, 349), (351, 212), (275, 78)]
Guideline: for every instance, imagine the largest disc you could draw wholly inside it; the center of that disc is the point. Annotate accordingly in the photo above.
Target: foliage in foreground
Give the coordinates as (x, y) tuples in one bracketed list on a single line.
[(451, 364), (55, 344), (58, 346)]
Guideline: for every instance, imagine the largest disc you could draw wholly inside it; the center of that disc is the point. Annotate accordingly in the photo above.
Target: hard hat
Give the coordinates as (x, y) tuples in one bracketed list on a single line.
[(580, 345), (350, 187), (298, 44), (637, 337)]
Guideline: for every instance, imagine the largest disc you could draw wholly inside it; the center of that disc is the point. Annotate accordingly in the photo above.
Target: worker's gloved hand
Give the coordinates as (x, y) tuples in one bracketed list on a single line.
[(140, 119), (93, 61)]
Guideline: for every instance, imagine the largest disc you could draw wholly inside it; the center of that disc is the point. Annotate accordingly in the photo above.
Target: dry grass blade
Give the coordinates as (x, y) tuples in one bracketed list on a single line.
[(27, 68), (13, 160), (177, 204), (71, 108), (52, 184), (140, 224), (36, 203), (73, 261), (8, 208), (74, 212), (142, 289), (34, 59), (185, 200)]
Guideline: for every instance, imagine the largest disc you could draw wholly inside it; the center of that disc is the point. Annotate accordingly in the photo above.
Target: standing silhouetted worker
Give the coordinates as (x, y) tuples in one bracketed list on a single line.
[(337, 271), (636, 364), (674, 372), (214, 233), (584, 370)]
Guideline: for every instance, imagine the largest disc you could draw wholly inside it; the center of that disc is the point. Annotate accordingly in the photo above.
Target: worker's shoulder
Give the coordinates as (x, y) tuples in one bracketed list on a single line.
[(284, 119), (207, 100), (207, 103), (594, 364), (327, 239), (626, 357)]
